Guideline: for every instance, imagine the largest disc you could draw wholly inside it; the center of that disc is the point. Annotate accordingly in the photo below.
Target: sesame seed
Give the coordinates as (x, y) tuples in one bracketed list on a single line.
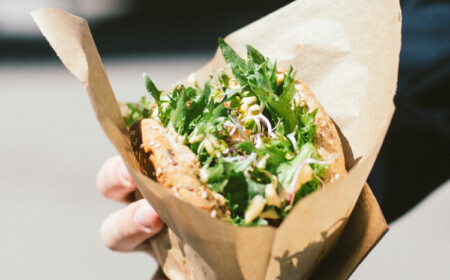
[(156, 146), (151, 143), (158, 171), (213, 213), (204, 194)]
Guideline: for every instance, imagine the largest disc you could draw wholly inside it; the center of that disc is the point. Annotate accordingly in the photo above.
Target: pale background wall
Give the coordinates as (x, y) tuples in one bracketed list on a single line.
[(51, 147)]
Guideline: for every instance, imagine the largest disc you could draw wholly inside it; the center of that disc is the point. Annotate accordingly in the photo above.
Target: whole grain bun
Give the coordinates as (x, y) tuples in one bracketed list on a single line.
[(326, 138), (164, 157)]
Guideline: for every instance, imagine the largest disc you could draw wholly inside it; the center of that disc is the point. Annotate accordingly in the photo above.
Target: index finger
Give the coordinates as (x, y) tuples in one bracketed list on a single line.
[(114, 180)]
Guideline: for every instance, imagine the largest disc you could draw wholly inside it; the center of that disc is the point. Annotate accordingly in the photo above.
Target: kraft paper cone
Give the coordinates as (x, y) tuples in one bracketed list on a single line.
[(348, 55)]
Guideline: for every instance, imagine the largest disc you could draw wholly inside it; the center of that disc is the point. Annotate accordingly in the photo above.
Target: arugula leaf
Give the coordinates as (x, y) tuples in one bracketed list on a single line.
[(254, 188), (274, 155), (137, 110), (307, 128), (260, 76), (239, 191), (247, 146), (287, 169), (229, 93), (135, 113), (237, 195), (231, 57), (256, 56), (218, 177), (177, 117), (197, 106), (281, 107), (151, 89), (234, 61), (228, 178)]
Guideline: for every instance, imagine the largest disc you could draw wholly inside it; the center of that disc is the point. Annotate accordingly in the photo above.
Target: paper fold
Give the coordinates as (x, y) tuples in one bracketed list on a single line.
[(72, 41)]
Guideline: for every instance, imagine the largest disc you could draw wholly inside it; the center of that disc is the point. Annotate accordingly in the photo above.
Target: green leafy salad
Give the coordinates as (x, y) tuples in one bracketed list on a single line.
[(251, 132)]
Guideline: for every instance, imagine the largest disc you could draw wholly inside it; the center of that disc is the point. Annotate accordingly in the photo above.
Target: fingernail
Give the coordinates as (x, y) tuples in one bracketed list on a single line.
[(125, 175), (145, 215)]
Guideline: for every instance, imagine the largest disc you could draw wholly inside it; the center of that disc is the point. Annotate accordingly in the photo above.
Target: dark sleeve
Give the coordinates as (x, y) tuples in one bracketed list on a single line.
[(414, 159)]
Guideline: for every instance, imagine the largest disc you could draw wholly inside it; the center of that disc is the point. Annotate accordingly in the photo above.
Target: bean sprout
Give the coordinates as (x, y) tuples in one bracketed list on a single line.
[(293, 141), (201, 146), (261, 118), (239, 127), (267, 124), (258, 141), (255, 119), (308, 160), (218, 82), (231, 159)]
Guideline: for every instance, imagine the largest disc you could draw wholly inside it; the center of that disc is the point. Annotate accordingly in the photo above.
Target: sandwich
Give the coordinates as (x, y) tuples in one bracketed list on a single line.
[(245, 146)]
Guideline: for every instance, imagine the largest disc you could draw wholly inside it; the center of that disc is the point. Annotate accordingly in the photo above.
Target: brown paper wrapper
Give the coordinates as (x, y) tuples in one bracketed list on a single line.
[(348, 54)]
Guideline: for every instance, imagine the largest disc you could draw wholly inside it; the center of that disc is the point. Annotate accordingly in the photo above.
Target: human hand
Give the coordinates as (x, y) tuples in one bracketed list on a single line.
[(128, 228)]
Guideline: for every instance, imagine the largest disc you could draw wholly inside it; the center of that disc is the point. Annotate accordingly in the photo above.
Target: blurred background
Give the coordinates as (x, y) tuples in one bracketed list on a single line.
[(51, 147)]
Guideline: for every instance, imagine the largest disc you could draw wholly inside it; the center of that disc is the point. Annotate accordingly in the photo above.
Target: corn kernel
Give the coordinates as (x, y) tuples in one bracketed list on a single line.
[(249, 100), (209, 148), (213, 140), (271, 195), (196, 138), (305, 175), (255, 208), (244, 109)]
